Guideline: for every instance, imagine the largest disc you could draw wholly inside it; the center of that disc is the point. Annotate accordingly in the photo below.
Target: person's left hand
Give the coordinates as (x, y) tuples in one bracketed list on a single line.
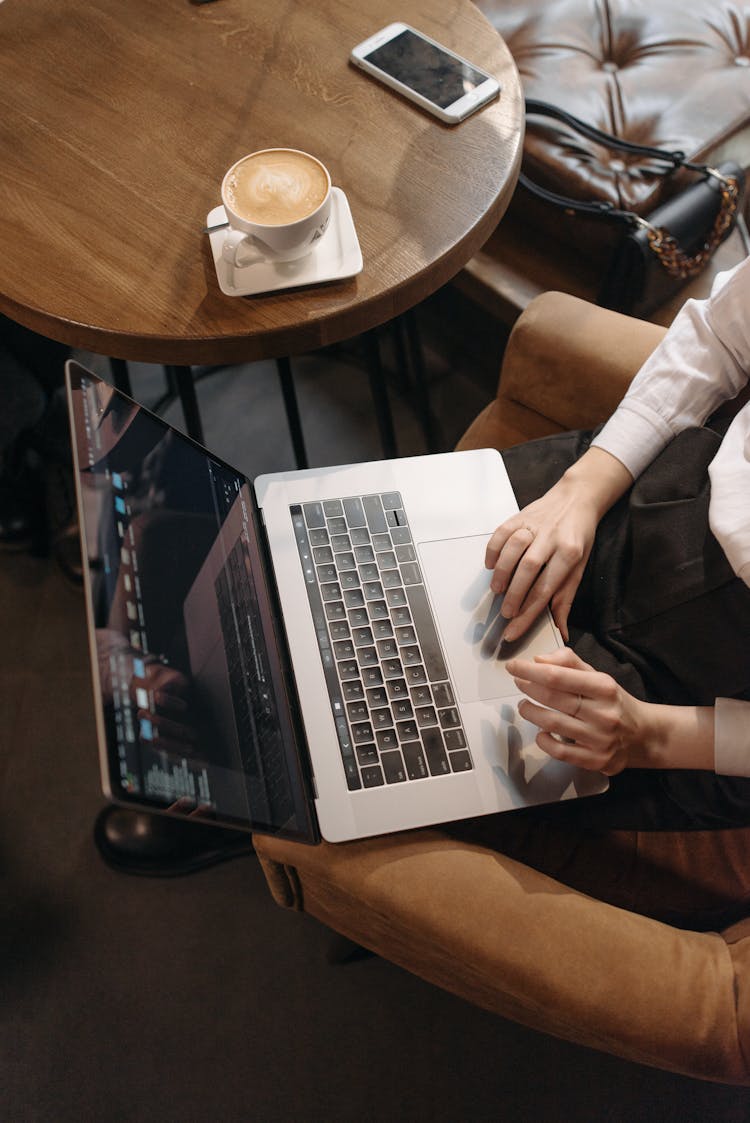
[(584, 716)]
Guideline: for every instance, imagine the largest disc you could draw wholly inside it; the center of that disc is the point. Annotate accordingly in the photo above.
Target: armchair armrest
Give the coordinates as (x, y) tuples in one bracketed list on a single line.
[(566, 366)]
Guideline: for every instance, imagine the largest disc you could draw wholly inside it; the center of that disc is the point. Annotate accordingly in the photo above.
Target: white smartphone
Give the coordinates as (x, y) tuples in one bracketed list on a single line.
[(427, 73)]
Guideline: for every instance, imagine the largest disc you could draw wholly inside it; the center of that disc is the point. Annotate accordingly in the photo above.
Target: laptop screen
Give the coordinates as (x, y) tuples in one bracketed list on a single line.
[(192, 708)]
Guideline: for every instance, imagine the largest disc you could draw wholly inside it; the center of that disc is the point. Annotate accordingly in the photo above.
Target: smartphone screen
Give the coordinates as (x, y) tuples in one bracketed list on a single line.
[(426, 69)]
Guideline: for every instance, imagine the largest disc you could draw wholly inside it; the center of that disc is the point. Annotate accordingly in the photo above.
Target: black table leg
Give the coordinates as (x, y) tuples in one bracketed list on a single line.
[(121, 376), (183, 379), (379, 393), (421, 392)]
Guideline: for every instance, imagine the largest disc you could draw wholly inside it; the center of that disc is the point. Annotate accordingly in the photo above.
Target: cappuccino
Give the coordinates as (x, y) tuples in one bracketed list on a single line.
[(276, 187)]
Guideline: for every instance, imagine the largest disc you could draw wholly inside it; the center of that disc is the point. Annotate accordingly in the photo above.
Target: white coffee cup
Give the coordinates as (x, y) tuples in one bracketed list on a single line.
[(278, 205)]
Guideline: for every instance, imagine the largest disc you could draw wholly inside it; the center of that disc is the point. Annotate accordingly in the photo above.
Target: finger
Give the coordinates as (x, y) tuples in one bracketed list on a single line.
[(498, 540), (560, 724), (564, 703), (562, 601), (514, 554), (562, 670), (569, 752)]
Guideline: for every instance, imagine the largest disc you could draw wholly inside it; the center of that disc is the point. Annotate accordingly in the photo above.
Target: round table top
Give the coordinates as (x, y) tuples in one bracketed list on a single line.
[(119, 120)]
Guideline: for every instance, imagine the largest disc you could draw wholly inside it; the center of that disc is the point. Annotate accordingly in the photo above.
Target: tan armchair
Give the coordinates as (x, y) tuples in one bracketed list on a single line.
[(557, 933)]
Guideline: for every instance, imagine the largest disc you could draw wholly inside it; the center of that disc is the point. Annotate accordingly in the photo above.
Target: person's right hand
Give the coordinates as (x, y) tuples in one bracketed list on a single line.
[(538, 556)]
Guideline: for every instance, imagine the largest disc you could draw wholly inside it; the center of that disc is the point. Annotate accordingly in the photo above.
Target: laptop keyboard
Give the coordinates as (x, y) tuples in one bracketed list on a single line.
[(393, 704)]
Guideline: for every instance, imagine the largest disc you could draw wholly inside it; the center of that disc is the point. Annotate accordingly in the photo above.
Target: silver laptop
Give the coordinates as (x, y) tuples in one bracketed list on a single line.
[(317, 654)]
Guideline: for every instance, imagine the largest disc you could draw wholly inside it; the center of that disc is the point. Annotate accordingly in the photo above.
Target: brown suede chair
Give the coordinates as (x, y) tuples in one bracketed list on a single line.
[(558, 932)]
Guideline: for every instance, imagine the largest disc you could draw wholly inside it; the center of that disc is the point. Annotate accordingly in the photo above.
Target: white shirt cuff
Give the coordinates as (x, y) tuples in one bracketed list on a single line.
[(635, 434), (732, 737)]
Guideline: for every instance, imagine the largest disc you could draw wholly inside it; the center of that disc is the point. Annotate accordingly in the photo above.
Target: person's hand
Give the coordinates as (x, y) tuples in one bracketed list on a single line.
[(538, 556), (584, 717)]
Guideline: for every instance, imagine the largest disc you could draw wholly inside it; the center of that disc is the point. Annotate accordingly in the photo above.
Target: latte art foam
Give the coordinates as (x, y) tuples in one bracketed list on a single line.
[(276, 187)]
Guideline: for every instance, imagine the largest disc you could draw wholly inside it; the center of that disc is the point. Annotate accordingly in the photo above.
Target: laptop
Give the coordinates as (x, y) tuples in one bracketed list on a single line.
[(315, 654)]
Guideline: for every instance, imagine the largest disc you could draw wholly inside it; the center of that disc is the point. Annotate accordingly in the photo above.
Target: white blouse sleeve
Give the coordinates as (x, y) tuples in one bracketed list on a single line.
[(702, 361)]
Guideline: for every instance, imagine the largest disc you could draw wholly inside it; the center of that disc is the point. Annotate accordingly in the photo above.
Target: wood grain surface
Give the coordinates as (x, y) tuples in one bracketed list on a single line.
[(119, 119)]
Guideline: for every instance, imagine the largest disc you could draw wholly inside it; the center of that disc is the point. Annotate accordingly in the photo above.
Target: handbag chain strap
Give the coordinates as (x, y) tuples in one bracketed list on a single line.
[(671, 256)]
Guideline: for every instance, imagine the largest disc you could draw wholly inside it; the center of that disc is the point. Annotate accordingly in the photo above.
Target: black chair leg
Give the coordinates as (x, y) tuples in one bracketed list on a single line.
[(291, 406)]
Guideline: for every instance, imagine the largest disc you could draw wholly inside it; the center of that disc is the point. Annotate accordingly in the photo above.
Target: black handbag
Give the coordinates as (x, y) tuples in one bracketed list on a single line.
[(658, 253)]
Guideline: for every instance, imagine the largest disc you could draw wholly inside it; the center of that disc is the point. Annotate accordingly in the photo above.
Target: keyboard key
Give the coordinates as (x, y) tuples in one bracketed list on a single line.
[(341, 542), (335, 610), (362, 636), (369, 571), (349, 579), (359, 535), (392, 668), (345, 560), (381, 719), (400, 616), (390, 518), (372, 676), (373, 590), (406, 635), (348, 669), (426, 715), (386, 739), (410, 573), (355, 514), (393, 767), (374, 513), (428, 638), (353, 689), (363, 554), (337, 526), (400, 535), (454, 739), (406, 553), (377, 697), (367, 657), (378, 610), (416, 767), (330, 591), (387, 648), (372, 777), (410, 655), (391, 499), (367, 754), (403, 709), (332, 507), (314, 514), (387, 559), (326, 573), (449, 718), (415, 675), (407, 730), (361, 733), (358, 617), (397, 688), (322, 555), (344, 649), (460, 761), (443, 694), (381, 542), (339, 629), (396, 599), (382, 629), (353, 598), (357, 711), (391, 579), (421, 696), (319, 537), (437, 758)]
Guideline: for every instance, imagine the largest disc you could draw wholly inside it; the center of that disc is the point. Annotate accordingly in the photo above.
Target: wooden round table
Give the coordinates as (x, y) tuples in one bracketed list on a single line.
[(119, 119)]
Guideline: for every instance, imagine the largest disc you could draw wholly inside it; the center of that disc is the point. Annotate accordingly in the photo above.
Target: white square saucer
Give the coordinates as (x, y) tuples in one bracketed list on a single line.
[(336, 256)]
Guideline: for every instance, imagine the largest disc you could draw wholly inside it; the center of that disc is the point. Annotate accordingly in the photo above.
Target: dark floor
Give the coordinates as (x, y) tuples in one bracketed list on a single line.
[(197, 999)]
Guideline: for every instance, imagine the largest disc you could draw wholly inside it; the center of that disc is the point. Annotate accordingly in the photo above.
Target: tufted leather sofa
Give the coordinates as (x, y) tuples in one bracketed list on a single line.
[(659, 72)]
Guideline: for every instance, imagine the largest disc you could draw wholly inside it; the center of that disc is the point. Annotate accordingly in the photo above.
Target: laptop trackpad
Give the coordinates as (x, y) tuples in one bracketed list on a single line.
[(468, 618)]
